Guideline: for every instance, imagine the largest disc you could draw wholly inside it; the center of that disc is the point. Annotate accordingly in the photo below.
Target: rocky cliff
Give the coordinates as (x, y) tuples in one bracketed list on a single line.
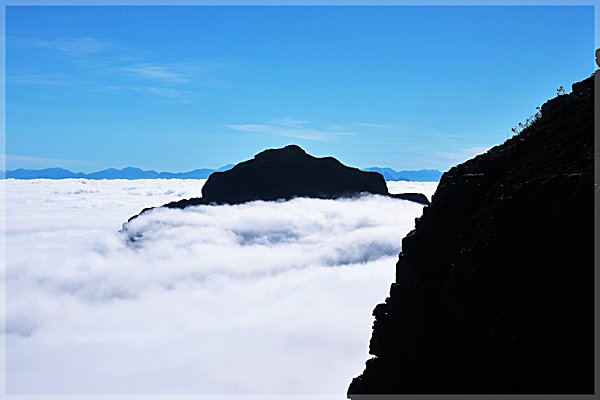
[(494, 288)]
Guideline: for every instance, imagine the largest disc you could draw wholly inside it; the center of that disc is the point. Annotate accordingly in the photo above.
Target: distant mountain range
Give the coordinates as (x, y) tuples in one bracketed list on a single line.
[(424, 175), (111, 173)]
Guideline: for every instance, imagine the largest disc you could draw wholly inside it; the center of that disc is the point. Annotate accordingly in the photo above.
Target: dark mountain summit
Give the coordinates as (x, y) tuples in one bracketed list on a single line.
[(494, 288), (286, 173)]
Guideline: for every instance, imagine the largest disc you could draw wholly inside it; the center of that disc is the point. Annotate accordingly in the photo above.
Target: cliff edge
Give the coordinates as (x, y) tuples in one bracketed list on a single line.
[(494, 288)]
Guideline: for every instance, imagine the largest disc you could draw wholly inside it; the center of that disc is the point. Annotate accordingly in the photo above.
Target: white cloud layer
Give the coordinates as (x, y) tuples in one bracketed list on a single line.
[(261, 298)]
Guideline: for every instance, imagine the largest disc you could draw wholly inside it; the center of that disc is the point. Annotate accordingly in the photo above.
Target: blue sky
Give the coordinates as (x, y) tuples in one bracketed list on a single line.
[(178, 88)]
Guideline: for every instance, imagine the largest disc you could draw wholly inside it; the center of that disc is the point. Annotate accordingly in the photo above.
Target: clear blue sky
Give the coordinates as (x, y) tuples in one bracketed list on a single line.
[(178, 88)]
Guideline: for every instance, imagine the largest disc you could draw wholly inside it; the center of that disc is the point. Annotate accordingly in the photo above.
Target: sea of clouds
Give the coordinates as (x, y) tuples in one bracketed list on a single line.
[(259, 298)]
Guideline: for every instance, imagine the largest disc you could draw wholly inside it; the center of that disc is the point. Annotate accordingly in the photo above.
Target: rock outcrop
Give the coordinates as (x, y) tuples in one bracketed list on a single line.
[(286, 173), (494, 288), (416, 197)]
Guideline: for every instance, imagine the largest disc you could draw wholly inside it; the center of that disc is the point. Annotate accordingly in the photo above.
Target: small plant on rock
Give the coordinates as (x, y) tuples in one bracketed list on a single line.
[(528, 122)]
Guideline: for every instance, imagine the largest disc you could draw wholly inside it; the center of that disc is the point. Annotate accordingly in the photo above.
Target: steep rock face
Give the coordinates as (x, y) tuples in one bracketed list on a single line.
[(494, 288), (286, 173)]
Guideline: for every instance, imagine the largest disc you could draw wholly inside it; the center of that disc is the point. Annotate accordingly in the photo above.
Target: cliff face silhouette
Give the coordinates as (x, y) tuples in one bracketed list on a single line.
[(494, 288)]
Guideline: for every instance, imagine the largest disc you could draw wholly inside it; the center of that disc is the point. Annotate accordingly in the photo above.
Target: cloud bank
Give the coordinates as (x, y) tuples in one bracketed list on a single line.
[(260, 298)]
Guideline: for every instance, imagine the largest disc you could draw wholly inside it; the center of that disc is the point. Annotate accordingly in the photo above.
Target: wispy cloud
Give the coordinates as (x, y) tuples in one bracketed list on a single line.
[(169, 92), (12, 161), (290, 127), (373, 125), (163, 73), (75, 46), (45, 79), (106, 66)]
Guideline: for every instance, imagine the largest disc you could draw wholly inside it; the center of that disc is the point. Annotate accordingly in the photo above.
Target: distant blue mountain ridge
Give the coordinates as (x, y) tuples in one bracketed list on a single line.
[(110, 173), (424, 175)]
